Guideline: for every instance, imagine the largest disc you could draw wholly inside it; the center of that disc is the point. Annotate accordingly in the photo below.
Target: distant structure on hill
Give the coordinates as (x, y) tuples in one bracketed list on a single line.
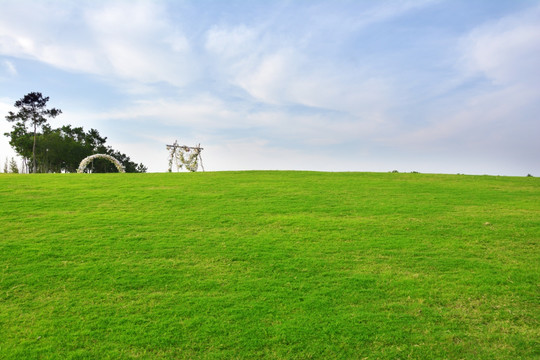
[(188, 157)]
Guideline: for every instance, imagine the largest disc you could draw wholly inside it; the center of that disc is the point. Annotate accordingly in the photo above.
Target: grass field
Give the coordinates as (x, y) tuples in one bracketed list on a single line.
[(277, 265)]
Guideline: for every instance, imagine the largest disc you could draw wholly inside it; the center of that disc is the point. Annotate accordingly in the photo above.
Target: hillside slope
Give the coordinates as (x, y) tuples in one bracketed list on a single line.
[(269, 265)]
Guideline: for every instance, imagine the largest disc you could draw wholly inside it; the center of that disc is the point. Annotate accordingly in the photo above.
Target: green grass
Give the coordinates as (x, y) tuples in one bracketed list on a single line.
[(277, 265)]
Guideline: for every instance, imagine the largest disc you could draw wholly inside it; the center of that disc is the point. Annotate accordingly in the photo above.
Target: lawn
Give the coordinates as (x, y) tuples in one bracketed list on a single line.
[(274, 265)]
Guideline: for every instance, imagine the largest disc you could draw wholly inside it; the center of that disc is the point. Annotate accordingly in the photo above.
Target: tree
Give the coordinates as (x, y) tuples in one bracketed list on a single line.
[(103, 166), (21, 141), (61, 149), (32, 107), (141, 168), (13, 168)]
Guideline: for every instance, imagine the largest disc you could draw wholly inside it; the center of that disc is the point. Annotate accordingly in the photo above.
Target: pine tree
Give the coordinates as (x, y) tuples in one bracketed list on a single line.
[(32, 108), (13, 166)]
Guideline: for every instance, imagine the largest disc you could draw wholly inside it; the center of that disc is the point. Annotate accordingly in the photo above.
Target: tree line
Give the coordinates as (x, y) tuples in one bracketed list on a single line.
[(45, 149)]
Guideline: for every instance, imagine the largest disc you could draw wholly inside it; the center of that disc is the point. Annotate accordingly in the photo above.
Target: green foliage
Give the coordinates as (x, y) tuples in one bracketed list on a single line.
[(141, 168), (61, 149), (32, 108), (13, 168), (10, 166), (20, 140), (276, 265)]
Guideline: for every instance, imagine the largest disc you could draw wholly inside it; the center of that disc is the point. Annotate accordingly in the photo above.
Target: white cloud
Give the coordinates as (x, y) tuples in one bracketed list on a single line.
[(35, 32), (506, 51), (270, 78), (495, 120), (138, 43), (258, 154), (204, 112), (9, 67), (285, 75), (288, 77), (476, 123), (352, 17), (231, 42), (129, 40)]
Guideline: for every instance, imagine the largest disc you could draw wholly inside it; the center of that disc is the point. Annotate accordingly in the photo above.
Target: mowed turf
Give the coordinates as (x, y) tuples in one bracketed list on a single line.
[(277, 265)]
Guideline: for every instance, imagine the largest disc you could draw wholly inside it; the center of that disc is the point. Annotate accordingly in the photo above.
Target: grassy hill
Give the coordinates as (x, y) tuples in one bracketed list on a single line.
[(278, 265)]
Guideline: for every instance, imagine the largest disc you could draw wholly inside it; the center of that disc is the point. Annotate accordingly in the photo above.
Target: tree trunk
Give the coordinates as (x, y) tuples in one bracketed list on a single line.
[(34, 148)]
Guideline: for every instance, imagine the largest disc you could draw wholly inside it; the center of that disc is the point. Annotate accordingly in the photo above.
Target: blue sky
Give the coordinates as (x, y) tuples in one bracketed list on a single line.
[(413, 85)]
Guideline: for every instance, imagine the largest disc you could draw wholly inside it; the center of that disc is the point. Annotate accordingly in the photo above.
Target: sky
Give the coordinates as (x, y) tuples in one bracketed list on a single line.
[(434, 86)]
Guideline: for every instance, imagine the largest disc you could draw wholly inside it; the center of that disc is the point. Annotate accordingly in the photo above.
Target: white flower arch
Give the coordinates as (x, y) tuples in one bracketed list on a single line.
[(84, 163)]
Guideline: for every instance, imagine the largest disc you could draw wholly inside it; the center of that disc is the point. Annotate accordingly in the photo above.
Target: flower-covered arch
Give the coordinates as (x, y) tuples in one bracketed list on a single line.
[(87, 160), (186, 156)]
